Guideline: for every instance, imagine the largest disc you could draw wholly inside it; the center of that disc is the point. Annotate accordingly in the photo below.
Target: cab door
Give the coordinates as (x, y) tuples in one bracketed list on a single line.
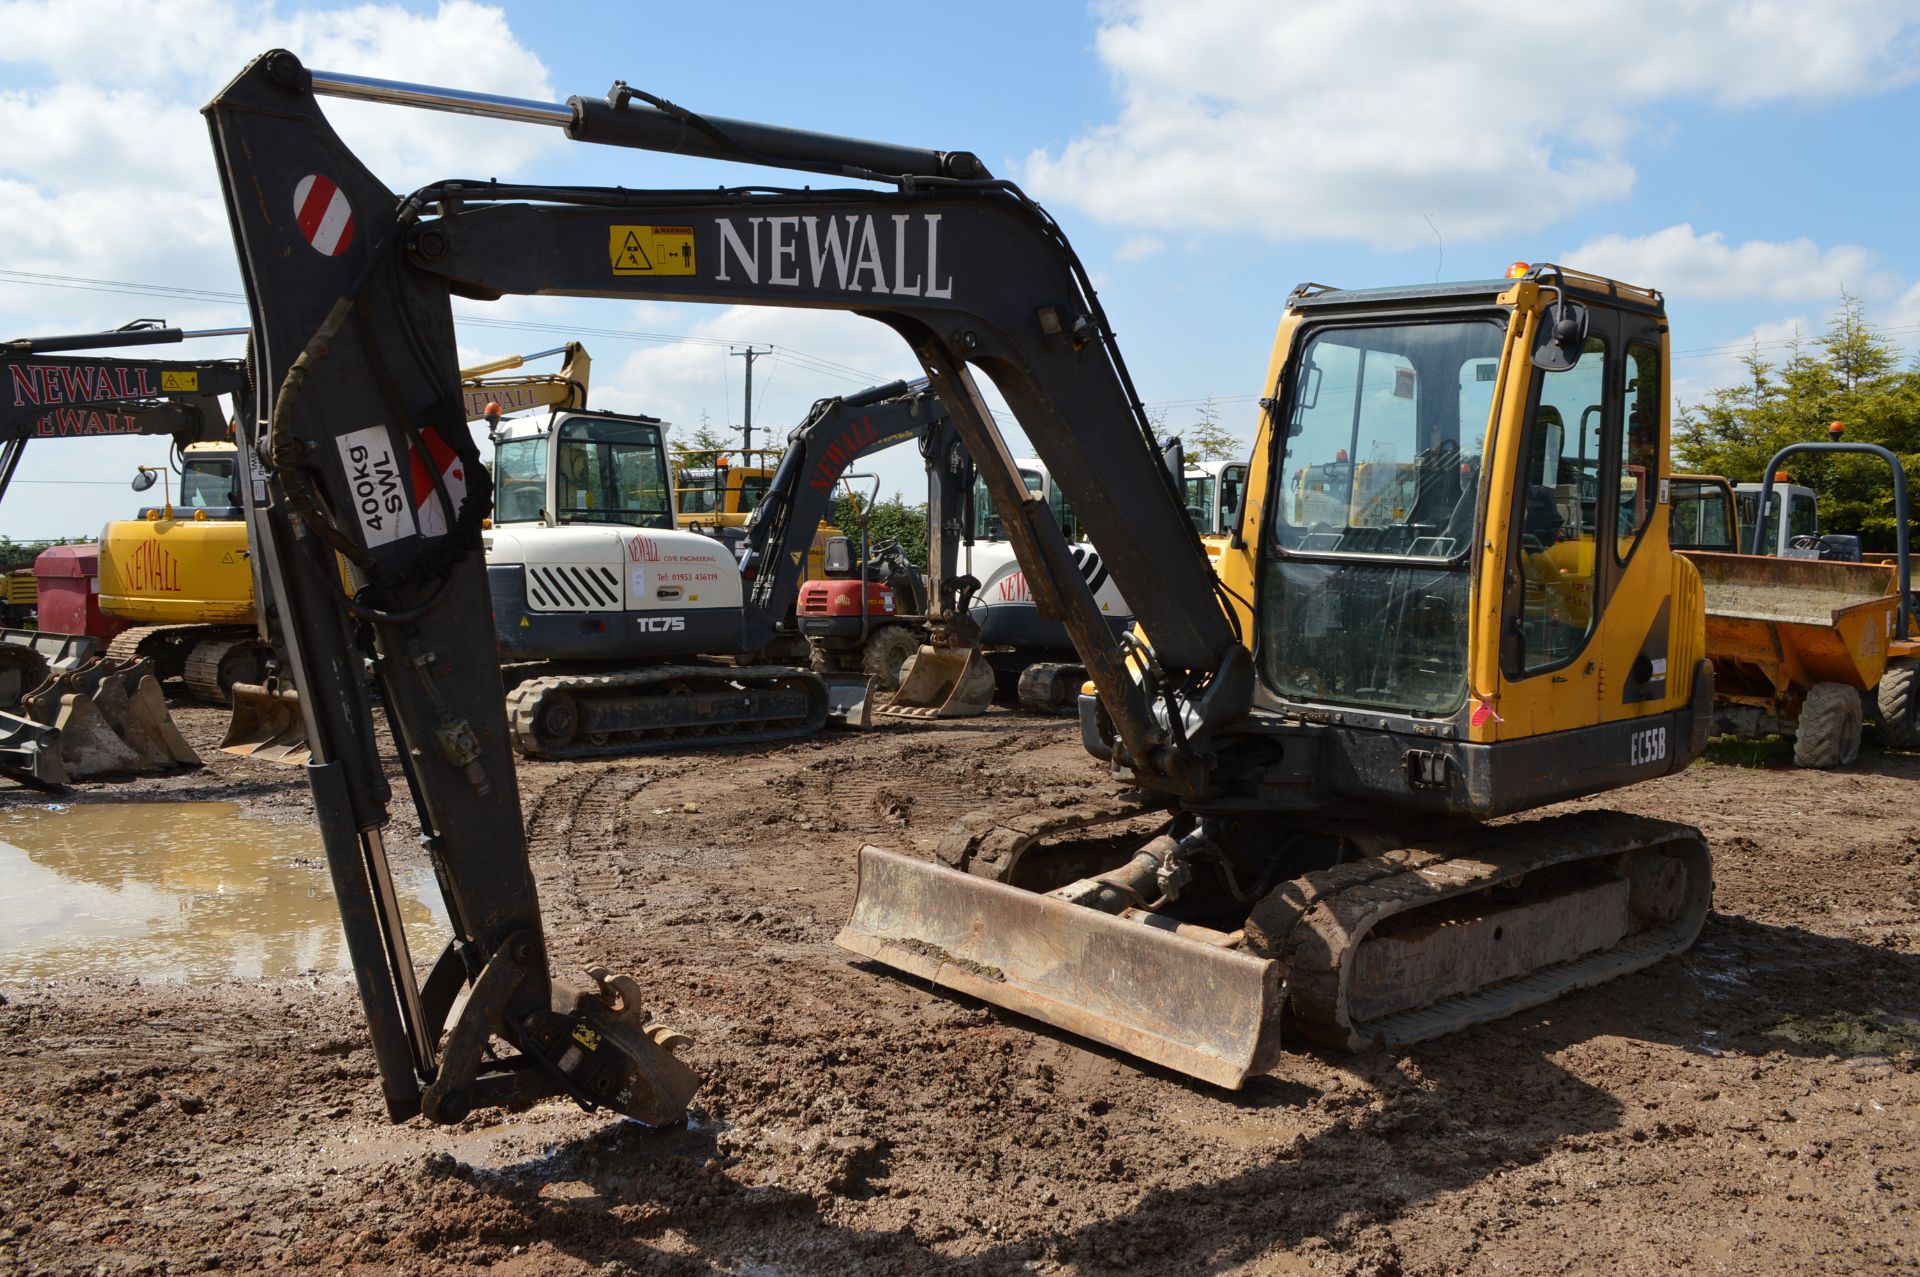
[(1586, 608)]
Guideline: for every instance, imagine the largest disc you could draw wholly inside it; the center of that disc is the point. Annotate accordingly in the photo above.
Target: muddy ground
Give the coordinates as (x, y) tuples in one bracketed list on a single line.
[(1751, 1107)]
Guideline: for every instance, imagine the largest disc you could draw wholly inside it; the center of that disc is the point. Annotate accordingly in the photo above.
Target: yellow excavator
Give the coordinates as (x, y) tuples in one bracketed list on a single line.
[(67, 711), (179, 571), (1308, 746)]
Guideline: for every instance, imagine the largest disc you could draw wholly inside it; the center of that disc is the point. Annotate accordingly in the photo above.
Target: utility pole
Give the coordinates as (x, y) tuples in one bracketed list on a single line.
[(750, 354)]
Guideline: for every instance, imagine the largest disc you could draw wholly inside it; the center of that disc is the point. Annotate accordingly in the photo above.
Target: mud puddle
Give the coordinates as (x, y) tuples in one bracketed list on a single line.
[(172, 891)]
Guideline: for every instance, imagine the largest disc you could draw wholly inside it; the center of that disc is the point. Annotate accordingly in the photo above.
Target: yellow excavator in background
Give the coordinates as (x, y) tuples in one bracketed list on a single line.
[(66, 711), (179, 571)]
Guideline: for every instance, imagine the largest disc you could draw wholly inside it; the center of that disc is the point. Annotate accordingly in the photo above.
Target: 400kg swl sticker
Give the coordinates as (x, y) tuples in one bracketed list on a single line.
[(376, 486)]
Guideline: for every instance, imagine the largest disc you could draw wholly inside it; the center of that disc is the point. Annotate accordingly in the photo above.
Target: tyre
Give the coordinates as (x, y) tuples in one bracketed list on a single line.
[(887, 651), (1828, 734), (1898, 705)]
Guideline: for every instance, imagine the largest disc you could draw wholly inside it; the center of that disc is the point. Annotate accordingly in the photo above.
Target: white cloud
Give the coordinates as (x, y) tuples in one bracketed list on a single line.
[(119, 182), (1139, 248), (1698, 371), (1689, 265), (108, 172), (1354, 120)]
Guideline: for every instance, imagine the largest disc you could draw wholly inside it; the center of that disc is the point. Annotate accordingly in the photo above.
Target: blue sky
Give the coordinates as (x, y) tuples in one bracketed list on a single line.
[(1204, 155)]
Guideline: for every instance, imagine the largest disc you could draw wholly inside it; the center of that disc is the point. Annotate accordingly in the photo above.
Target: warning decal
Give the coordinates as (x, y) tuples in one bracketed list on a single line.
[(378, 488), (323, 214), (453, 477), (650, 250), (174, 382)]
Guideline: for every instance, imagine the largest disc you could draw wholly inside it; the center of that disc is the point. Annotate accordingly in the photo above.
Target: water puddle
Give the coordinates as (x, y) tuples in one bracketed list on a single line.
[(173, 891)]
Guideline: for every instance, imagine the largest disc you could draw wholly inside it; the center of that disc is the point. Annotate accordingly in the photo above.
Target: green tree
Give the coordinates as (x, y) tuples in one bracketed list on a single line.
[(1852, 375), (704, 446), (1206, 439), (890, 520)]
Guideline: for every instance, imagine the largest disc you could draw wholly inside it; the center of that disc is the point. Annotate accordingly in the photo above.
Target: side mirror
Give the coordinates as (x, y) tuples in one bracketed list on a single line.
[(1561, 336), (145, 479)]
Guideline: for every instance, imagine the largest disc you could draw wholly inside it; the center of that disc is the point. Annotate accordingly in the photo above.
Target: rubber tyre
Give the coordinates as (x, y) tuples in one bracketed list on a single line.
[(1828, 734), (885, 656), (1898, 705)]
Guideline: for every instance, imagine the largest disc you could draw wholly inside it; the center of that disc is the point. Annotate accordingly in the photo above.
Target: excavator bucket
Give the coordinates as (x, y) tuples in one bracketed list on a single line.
[(107, 716), (128, 697), (849, 700), (89, 745), (943, 681), (30, 752), (1150, 990), (266, 724)]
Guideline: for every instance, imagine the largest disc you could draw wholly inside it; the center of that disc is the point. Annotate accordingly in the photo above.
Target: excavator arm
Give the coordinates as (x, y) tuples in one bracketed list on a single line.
[(364, 437), (968, 270), (836, 433), (62, 396), (488, 395)]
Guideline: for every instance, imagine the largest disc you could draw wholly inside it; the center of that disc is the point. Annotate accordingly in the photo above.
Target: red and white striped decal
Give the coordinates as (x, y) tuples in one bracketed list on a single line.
[(453, 476), (324, 215)]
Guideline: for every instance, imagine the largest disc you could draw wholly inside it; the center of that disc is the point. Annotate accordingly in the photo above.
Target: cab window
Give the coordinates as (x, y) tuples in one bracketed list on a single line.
[(1559, 502), (1199, 498), (610, 471), (987, 524), (1637, 458), (1233, 495), (1702, 517)]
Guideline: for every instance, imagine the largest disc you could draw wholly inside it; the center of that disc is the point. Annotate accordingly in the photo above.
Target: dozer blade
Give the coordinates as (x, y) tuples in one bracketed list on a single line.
[(849, 700), (944, 682), (266, 725), (1146, 989)]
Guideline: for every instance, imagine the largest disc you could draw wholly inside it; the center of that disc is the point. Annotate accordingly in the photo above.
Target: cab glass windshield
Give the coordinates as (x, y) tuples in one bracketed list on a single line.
[(207, 483), (1702, 517), (1364, 594), (610, 471)]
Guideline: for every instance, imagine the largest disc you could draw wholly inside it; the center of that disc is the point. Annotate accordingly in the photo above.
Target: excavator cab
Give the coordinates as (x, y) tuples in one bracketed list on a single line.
[(582, 468)]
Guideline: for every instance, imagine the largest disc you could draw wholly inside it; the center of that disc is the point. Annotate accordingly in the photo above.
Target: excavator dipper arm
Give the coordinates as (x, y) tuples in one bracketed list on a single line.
[(836, 433), (352, 287), (370, 460)]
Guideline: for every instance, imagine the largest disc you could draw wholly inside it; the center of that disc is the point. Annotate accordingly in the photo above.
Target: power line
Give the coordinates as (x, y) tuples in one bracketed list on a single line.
[(785, 354)]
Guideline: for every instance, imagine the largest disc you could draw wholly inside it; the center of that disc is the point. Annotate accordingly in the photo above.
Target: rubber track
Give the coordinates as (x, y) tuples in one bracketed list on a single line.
[(525, 702), (125, 646), (1314, 924), (990, 843), (203, 666), (1037, 680)]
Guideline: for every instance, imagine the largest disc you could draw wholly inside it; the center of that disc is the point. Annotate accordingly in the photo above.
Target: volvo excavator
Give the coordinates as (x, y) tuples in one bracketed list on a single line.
[(1318, 734)]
